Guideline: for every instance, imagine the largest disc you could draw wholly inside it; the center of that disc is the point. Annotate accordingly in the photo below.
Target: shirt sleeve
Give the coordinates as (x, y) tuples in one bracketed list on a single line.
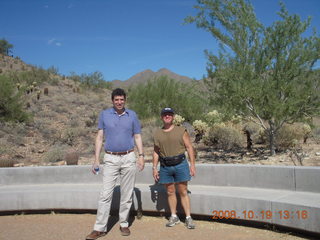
[(100, 122), (136, 125)]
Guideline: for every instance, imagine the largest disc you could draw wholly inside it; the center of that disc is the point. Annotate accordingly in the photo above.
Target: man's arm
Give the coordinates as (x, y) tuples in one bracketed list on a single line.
[(98, 146), (138, 142), (190, 150)]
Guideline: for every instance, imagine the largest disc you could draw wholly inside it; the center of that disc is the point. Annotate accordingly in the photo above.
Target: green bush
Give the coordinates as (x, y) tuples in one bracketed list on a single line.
[(28, 78), (224, 137), (93, 80), (11, 106), (147, 99)]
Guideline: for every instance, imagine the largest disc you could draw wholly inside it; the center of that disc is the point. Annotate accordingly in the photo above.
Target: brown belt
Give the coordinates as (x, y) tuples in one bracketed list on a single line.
[(119, 153)]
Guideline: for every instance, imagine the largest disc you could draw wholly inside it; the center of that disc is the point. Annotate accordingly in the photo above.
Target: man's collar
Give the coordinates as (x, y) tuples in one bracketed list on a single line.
[(124, 111)]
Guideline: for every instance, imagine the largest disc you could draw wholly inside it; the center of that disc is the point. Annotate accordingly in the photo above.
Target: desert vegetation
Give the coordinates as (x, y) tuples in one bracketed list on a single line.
[(259, 103), (268, 72)]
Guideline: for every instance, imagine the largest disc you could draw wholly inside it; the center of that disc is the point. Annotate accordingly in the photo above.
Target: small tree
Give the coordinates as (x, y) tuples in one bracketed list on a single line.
[(10, 102), (5, 47), (266, 72), (147, 99)]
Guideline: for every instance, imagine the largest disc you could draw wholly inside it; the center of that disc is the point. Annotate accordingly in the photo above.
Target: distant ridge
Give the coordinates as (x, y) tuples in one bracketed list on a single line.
[(148, 74)]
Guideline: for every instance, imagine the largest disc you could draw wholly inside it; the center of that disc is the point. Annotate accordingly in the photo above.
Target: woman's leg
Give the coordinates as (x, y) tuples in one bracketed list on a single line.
[(185, 201), (172, 198)]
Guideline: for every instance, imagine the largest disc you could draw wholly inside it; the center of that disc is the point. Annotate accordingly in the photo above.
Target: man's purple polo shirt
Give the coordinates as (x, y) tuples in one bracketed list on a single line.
[(119, 130)]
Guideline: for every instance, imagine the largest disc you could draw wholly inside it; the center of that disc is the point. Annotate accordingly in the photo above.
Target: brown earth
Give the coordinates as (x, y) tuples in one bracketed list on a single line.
[(77, 226)]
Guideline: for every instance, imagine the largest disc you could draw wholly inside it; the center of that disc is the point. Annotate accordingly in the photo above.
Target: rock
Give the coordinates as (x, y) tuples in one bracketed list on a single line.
[(60, 163), (18, 165), (41, 151), (317, 153)]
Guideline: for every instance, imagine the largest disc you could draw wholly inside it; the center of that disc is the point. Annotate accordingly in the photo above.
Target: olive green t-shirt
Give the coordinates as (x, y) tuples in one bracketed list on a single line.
[(170, 143)]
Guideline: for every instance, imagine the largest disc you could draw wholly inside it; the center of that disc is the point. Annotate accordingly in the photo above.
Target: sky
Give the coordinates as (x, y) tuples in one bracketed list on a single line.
[(121, 38)]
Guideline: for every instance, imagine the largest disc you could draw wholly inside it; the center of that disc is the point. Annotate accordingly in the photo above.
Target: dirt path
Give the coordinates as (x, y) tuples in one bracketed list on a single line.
[(77, 226)]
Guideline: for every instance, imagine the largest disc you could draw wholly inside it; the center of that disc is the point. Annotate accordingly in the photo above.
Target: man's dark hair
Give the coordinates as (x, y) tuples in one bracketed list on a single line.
[(118, 92)]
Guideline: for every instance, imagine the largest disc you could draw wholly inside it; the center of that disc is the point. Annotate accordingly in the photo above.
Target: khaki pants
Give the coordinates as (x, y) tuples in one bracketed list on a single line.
[(123, 166)]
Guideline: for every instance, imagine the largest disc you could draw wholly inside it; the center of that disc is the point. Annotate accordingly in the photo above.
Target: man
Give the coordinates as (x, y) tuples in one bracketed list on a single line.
[(170, 144), (121, 129)]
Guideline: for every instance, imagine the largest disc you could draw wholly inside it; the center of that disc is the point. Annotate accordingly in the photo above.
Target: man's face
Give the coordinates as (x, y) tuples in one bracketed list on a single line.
[(119, 102), (167, 118)]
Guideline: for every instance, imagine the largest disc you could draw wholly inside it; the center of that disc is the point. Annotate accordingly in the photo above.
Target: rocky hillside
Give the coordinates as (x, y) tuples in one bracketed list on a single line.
[(63, 120), (12, 64), (148, 74)]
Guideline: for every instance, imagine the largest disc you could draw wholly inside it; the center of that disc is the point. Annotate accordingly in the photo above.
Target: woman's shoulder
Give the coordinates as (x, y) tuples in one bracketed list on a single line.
[(180, 128)]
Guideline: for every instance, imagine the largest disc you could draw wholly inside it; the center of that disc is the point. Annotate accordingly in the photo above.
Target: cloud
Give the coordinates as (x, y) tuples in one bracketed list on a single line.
[(53, 41), (46, 6)]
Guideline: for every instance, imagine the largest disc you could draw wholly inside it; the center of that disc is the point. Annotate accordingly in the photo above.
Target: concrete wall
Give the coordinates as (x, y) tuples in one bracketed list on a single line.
[(223, 188)]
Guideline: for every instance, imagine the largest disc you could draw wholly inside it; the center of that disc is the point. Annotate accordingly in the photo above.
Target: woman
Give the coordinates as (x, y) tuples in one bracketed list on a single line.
[(170, 144)]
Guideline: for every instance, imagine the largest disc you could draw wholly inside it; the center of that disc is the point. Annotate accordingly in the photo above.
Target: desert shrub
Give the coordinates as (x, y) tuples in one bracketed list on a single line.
[(254, 130), (5, 147), (93, 80), (11, 105), (50, 133), (92, 120), (292, 135), (47, 114), (148, 126), (316, 134), (178, 120), (53, 70), (224, 137), (16, 140), (61, 109), (36, 74), (73, 122), (70, 135), (55, 153), (213, 117), (200, 129), (147, 99), (54, 81)]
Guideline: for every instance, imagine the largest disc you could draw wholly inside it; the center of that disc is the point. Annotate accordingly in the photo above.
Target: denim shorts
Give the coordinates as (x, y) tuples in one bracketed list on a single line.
[(175, 174)]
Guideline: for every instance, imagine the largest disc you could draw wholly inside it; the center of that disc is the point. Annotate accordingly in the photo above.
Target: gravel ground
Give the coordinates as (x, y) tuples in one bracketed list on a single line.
[(77, 226)]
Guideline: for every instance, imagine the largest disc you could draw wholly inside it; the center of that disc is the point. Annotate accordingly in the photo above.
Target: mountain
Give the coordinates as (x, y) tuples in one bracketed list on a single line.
[(148, 74)]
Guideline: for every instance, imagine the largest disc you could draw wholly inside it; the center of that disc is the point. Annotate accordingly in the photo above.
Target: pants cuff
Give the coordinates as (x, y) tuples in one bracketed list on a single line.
[(124, 224)]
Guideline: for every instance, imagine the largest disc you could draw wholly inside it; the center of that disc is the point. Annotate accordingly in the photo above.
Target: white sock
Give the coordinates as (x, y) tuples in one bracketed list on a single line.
[(174, 215), (187, 217)]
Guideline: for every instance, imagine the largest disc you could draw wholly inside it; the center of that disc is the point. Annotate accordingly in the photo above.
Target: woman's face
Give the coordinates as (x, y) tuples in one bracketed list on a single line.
[(167, 118)]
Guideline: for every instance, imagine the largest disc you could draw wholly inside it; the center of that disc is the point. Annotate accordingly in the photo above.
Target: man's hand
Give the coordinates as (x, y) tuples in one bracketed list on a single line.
[(95, 165), (140, 163)]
